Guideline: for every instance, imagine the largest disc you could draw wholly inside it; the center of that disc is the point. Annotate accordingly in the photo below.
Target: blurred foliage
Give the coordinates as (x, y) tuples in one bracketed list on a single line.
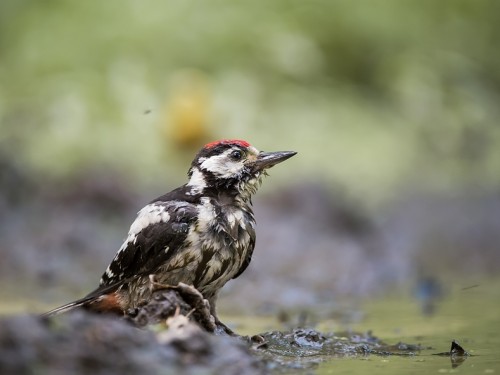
[(374, 94)]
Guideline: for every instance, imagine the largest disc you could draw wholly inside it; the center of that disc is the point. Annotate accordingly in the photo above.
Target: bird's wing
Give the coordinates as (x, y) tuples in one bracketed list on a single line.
[(158, 233)]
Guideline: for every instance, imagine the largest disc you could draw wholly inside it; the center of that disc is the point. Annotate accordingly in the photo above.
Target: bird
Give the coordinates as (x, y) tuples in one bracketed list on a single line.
[(201, 234)]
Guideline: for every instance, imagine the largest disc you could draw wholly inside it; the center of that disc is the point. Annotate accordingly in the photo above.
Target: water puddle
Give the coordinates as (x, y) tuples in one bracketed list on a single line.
[(395, 337)]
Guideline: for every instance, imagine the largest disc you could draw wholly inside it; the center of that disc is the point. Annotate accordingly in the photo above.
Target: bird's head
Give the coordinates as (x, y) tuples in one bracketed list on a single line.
[(233, 165)]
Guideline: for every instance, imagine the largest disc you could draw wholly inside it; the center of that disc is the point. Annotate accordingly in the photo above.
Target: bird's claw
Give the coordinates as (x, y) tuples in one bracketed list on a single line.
[(155, 285)]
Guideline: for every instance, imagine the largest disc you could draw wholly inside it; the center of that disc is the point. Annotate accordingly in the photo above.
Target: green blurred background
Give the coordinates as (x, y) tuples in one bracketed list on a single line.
[(392, 106)]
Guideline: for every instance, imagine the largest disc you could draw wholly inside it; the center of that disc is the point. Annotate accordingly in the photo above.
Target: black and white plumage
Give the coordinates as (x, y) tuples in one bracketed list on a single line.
[(201, 234)]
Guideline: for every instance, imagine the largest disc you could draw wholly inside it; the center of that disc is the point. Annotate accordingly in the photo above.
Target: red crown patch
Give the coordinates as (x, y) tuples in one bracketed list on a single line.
[(237, 142)]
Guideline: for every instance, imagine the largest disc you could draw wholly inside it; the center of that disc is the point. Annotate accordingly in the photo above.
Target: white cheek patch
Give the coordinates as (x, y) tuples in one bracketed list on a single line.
[(221, 166)]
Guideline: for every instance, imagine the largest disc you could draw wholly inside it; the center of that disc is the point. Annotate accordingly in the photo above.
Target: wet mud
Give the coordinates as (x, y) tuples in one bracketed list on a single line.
[(173, 333)]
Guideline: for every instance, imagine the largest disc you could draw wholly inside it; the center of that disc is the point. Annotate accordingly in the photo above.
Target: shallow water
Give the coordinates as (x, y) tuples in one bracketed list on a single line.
[(468, 313)]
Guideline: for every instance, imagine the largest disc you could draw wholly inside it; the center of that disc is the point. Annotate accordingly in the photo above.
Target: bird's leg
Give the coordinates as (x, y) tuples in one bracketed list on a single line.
[(155, 285), (193, 297), (221, 328), (202, 307)]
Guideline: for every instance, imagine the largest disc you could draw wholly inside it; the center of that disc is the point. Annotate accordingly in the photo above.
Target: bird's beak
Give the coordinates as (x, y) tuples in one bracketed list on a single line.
[(268, 159)]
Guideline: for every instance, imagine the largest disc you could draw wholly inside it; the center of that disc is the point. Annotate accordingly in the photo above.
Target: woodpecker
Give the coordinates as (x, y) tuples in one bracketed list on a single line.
[(201, 234)]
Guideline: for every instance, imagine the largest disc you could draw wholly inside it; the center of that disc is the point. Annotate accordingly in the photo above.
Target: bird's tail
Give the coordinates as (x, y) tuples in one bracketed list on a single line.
[(68, 307), (94, 301)]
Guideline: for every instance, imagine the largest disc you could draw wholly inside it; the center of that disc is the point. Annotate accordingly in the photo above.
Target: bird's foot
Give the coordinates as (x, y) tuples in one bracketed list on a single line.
[(204, 313), (221, 329), (200, 305), (192, 296), (155, 285)]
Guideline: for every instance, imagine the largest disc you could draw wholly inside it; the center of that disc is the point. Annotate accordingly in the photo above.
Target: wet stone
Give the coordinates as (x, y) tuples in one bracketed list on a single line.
[(313, 347), (85, 343), (308, 338)]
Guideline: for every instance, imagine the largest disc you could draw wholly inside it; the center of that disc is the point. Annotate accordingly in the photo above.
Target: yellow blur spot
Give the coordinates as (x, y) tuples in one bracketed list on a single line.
[(188, 107)]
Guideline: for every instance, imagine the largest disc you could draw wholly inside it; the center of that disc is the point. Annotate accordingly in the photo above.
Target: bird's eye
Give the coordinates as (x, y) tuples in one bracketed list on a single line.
[(236, 155)]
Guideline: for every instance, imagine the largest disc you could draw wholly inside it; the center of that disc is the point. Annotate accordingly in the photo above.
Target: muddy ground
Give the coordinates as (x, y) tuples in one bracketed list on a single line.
[(168, 335)]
